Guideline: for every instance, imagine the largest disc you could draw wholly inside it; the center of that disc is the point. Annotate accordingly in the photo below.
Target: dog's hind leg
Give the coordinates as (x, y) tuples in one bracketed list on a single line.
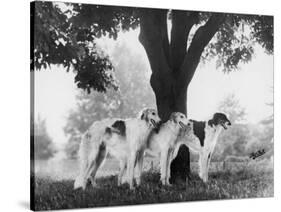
[(131, 167), (94, 166), (83, 155)]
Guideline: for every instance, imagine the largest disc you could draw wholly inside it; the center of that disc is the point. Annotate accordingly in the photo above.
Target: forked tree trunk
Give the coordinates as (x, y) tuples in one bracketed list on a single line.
[(172, 65)]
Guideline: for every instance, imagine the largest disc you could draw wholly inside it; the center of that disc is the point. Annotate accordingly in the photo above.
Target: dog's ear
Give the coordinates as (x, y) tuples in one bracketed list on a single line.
[(143, 115), (173, 117), (108, 130), (216, 118)]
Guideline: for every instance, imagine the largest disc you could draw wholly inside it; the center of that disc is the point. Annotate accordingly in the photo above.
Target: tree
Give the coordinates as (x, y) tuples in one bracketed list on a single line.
[(230, 105), (43, 145), (262, 138), (121, 103), (268, 124), (235, 139), (65, 34)]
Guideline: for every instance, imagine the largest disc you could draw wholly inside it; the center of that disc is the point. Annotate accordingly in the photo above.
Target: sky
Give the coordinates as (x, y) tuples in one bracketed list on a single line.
[(252, 85)]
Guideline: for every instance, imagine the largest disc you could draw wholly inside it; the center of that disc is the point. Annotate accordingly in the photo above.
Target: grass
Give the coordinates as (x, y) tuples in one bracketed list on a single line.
[(222, 185)]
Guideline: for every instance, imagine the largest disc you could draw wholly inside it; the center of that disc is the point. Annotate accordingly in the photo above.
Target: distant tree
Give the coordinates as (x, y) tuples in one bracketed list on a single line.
[(234, 140), (230, 105), (43, 145), (67, 37), (134, 93), (268, 124), (262, 136)]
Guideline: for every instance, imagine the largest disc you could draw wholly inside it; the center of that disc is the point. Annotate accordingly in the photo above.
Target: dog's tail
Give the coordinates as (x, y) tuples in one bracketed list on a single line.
[(83, 157)]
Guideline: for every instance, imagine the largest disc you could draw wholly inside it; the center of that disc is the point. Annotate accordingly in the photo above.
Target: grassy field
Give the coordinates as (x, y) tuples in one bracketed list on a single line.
[(229, 184)]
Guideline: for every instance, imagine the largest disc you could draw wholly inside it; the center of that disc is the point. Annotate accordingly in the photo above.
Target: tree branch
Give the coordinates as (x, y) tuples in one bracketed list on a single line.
[(200, 40), (154, 38), (182, 22), (161, 19)]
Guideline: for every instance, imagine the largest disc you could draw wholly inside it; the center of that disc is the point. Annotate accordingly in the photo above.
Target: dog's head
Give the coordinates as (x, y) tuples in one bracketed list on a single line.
[(150, 116), (220, 119), (179, 119)]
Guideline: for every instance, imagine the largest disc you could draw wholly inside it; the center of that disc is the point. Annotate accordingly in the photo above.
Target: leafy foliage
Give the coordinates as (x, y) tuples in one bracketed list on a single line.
[(68, 38), (65, 34), (234, 42)]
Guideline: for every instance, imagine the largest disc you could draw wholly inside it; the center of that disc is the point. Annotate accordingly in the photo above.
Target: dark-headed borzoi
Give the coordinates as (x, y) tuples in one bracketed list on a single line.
[(162, 143), (203, 140), (123, 139)]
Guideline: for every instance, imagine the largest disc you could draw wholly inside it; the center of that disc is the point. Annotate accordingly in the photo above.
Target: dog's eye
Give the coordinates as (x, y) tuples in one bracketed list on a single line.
[(153, 113), (181, 116)]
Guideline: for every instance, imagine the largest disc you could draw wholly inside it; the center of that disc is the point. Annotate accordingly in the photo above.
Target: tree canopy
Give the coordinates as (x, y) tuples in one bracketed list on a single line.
[(65, 34)]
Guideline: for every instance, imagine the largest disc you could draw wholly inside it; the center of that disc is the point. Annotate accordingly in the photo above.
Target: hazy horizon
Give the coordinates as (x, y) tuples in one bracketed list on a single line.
[(252, 85)]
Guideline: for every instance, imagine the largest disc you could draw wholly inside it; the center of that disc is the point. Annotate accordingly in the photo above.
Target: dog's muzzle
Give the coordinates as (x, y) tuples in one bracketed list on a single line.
[(225, 125), (182, 125), (153, 123), (188, 128)]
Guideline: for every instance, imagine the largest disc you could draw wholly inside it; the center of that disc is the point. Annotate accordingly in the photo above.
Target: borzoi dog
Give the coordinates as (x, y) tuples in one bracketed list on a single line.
[(163, 143), (203, 140), (123, 139)]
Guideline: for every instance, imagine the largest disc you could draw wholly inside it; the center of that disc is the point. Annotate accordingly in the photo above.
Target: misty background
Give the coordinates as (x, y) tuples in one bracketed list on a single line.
[(63, 112)]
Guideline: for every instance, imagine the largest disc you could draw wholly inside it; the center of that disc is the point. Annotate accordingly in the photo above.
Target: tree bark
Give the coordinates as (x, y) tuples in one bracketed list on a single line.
[(167, 102), (172, 65)]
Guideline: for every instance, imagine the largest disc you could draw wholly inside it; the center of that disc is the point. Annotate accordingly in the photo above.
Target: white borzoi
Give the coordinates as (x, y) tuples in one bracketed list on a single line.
[(123, 139), (163, 143), (203, 140)]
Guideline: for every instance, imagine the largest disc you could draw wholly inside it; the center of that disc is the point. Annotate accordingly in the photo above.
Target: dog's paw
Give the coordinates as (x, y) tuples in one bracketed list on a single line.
[(168, 183), (163, 181), (78, 184), (132, 187), (94, 184), (138, 181)]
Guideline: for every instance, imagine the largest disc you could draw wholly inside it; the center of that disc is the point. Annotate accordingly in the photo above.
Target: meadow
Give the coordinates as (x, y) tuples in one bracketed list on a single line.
[(234, 181)]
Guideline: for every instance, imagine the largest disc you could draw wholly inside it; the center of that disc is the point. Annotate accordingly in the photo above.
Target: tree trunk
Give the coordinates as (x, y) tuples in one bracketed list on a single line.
[(180, 166), (173, 65), (171, 96)]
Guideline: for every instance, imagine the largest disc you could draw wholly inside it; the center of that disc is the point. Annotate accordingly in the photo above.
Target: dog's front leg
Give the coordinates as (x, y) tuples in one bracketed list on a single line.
[(208, 166), (131, 166), (123, 167), (203, 166), (139, 166), (163, 166), (169, 158)]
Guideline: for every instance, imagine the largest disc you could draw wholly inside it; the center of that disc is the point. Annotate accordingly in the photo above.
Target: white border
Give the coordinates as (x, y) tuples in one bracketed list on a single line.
[(15, 102)]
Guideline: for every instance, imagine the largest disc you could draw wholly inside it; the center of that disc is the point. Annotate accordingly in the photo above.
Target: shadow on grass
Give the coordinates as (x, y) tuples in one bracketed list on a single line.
[(222, 185)]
